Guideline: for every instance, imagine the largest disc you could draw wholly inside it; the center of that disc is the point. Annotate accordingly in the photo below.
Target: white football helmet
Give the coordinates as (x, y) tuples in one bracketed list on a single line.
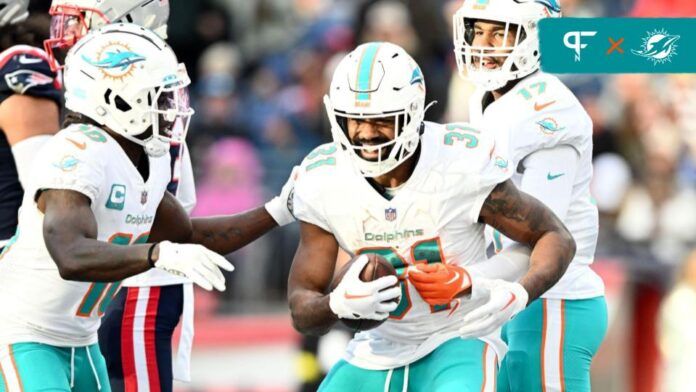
[(72, 19), (126, 78), (377, 80), (13, 11), (520, 59)]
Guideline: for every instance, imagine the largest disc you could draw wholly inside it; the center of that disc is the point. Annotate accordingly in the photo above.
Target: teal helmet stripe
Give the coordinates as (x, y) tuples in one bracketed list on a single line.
[(367, 62)]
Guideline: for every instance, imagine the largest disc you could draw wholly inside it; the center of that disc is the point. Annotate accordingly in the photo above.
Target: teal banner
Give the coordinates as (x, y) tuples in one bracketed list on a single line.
[(618, 45)]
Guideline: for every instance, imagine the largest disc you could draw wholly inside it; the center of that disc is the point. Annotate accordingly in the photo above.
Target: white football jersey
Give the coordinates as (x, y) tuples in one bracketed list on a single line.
[(432, 218), (182, 186), (539, 113), (36, 304)]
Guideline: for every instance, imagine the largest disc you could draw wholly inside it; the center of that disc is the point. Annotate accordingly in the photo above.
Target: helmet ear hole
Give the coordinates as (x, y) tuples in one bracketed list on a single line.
[(121, 104)]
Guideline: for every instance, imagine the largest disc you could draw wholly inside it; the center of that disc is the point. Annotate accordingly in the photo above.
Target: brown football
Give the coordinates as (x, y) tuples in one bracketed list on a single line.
[(376, 267)]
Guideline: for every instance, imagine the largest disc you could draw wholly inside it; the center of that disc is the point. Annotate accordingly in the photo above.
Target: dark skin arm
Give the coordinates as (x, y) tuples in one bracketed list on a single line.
[(70, 234), (221, 234), (528, 221), (311, 273)]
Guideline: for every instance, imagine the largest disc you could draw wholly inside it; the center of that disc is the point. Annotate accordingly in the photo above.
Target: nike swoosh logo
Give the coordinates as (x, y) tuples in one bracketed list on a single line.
[(512, 299), (550, 176), (541, 107), (351, 296), (454, 279), (26, 60), (81, 146)]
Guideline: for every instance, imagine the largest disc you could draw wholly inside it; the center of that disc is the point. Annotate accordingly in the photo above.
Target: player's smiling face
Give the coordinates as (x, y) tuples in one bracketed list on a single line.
[(492, 34), (371, 132)]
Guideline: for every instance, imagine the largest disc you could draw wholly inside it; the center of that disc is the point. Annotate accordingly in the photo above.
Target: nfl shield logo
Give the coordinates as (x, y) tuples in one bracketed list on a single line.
[(390, 214), (143, 197)]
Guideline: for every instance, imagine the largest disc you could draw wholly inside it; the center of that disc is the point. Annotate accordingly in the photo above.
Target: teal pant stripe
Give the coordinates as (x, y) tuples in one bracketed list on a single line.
[(365, 71), (455, 366), (584, 327)]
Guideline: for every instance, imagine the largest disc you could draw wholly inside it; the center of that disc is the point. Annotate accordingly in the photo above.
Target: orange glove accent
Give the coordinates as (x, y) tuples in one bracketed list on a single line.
[(439, 284)]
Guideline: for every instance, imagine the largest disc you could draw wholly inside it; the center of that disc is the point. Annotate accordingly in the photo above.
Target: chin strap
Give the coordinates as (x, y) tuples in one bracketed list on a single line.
[(156, 148)]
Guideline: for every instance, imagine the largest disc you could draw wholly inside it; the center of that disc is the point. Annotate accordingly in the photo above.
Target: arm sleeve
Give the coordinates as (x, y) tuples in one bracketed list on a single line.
[(510, 264), (549, 176), (187, 188), (24, 153)]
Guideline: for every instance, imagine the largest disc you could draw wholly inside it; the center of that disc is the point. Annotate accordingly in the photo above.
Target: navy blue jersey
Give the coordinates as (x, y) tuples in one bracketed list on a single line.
[(23, 70)]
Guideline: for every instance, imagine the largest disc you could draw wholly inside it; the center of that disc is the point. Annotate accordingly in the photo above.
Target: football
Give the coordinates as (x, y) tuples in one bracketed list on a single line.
[(376, 267)]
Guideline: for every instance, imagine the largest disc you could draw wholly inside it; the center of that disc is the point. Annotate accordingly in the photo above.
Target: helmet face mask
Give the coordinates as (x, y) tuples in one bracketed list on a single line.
[(382, 153), (68, 24), (381, 84), (491, 65), (127, 79)]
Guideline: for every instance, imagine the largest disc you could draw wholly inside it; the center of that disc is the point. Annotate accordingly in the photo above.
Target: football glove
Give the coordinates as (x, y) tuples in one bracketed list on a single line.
[(439, 284), (355, 299), (195, 262), (505, 300), (280, 207)]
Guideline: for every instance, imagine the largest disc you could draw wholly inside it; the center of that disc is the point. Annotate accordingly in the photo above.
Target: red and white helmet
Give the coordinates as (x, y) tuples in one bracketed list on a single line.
[(377, 80), (72, 19), (520, 59)]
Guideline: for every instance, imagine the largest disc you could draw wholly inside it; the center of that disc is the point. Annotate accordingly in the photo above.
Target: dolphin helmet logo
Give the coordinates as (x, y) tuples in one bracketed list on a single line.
[(552, 6), (115, 60), (659, 47)]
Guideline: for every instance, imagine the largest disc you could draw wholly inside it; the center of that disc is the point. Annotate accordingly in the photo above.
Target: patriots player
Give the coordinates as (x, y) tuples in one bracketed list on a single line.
[(169, 295), (30, 98), (549, 138), (417, 193), (97, 194)]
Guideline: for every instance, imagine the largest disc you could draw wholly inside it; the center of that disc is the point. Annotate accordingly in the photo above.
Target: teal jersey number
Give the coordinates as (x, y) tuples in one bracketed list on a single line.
[(461, 133), (100, 294), (426, 251), (322, 152)]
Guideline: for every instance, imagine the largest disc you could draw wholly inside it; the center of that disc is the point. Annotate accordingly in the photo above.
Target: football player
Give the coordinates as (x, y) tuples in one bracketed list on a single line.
[(418, 194), (170, 295), (549, 138), (97, 194), (30, 98)]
